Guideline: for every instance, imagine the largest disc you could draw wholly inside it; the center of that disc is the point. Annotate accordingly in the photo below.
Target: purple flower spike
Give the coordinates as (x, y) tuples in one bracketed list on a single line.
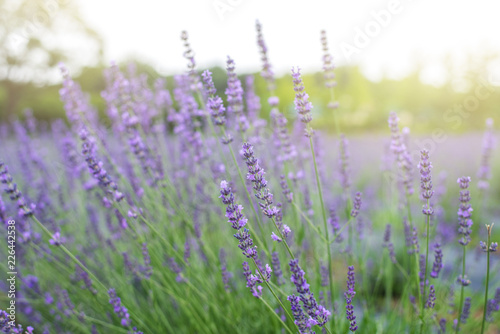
[(238, 221), (267, 71), (425, 167), (431, 298), (256, 175), (251, 283), (464, 211), (277, 268), (399, 148), (356, 205), (11, 189), (328, 67), (349, 295), (312, 308), (466, 310), (119, 309), (226, 275), (438, 260), (493, 305), (301, 320), (388, 244), (234, 94), (345, 182), (302, 104), (484, 172)]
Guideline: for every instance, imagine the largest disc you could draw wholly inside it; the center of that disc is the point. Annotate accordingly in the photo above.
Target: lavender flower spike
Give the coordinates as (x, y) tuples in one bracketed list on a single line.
[(14, 193), (302, 104), (484, 173), (319, 313), (438, 261), (267, 71), (349, 295), (464, 211), (303, 323), (256, 175), (328, 66), (120, 310), (425, 167), (234, 94), (388, 244), (356, 205), (237, 220), (214, 104), (251, 282)]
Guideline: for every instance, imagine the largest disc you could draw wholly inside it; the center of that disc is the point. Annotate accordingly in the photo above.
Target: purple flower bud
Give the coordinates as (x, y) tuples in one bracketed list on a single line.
[(438, 261), (349, 295), (302, 104), (464, 211), (356, 205)]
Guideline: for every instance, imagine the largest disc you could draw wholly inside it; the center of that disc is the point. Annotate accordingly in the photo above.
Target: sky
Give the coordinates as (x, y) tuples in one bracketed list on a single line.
[(384, 37)]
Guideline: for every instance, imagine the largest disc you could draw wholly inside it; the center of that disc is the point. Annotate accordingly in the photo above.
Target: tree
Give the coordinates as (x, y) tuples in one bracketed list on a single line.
[(35, 35)]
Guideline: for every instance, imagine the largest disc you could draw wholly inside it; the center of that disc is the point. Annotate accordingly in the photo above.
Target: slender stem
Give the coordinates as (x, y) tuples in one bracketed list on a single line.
[(487, 281), (272, 291), (461, 294), (308, 220), (425, 272), (323, 212), (335, 118), (273, 311)]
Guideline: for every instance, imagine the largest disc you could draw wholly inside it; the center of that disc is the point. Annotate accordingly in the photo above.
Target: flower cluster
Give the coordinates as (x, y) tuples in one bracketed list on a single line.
[(215, 103), (431, 299), (13, 192), (267, 71), (238, 221), (484, 172), (349, 295), (302, 104), (328, 67), (356, 205), (120, 310), (388, 244), (256, 175), (464, 211), (261, 276), (303, 322), (400, 149), (484, 246), (345, 182), (317, 312), (96, 167), (438, 260), (425, 167), (234, 94)]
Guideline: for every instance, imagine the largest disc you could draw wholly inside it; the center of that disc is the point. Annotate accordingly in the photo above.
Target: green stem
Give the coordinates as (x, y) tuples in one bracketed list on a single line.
[(425, 272), (327, 241), (274, 294), (487, 281), (461, 294)]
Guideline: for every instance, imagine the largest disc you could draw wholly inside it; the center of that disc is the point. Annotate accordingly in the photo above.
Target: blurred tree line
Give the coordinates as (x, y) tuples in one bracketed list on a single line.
[(29, 79), (364, 104)]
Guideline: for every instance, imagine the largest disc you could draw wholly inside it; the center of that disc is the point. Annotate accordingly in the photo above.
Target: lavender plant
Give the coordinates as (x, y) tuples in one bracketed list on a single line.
[(182, 208)]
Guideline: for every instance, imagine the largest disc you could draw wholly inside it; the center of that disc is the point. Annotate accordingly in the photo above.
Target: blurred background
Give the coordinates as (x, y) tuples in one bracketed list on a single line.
[(436, 63)]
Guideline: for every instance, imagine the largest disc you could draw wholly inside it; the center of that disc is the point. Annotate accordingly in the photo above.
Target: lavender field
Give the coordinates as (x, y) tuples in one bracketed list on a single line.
[(187, 210)]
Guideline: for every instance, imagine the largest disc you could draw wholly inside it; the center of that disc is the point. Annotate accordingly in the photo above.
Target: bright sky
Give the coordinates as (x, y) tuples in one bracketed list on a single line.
[(424, 29)]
